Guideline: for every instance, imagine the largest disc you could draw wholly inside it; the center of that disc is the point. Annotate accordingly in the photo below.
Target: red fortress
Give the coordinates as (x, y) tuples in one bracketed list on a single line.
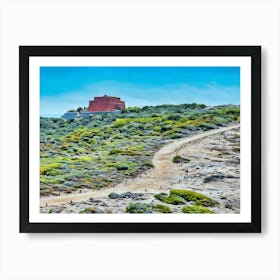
[(105, 104)]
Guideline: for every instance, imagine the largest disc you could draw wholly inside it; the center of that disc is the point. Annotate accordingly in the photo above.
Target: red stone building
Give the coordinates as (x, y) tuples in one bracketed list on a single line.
[(105, 104)]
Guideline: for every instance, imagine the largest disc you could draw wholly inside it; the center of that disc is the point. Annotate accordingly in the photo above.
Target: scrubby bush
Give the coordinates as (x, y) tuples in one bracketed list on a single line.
[(206, 126), (122, 167), (86, 158), (133, 109), (161, 208), (139, 208), (194, 209), (148, 163), (199, 199), (178, 159), (47, 169), (174, 136), (90, 210), (120, 122), (115, 151), (113, 195), (174, 117), (170, 199)]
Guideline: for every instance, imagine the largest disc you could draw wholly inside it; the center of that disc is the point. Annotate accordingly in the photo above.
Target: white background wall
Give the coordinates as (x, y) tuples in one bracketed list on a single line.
[(139, 256)]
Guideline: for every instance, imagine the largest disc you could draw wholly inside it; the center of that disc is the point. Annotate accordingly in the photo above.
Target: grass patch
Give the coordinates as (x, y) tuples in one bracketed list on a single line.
[(86, 158), (161, 208), (90, 210), (120, 166), (115, 151), (49, 169), (199, 199), (138, 208), (194, 209), (148, 163), (178, 159), (170, 199)]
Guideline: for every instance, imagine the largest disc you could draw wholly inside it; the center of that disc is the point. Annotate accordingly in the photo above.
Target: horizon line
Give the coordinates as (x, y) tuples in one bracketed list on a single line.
[(60, 115)]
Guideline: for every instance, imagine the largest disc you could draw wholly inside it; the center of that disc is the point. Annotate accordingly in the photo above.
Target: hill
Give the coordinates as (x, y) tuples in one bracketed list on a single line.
[(103, 150)]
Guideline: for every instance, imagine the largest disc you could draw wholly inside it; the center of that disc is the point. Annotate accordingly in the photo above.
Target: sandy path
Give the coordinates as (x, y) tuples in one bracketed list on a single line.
[(164, 173)]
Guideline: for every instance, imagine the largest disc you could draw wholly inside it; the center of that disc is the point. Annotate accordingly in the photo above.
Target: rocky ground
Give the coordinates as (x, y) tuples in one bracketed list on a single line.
[(210, 166)]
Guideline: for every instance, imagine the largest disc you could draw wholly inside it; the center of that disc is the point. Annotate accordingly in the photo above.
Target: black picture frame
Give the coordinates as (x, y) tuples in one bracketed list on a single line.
[(254, 52)]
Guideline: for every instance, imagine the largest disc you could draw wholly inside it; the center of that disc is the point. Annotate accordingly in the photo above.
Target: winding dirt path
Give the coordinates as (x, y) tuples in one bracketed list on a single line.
[(164, 173)]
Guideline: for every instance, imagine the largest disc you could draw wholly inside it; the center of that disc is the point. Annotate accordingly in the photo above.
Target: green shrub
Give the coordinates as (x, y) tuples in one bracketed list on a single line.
[(174, 136), (194, 209), (113, 195), (174, 117), (148, 163), (122, 167), (120, 122), (161, 208), (170, 199), (177, 159), (90, 210), (133, 109), (86, 158), (115, 151), (206, 125), (47, 169), (131, 152), (139, 208), (80, 134), (199, 199)]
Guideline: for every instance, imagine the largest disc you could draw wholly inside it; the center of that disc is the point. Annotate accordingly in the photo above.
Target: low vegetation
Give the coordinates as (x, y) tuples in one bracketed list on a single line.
[(181, 197), (161, 208), (139, 208), (90, 210), (199, 199), (105, 149), (170, 199), (143, 208), (178, 159), (194, 209)]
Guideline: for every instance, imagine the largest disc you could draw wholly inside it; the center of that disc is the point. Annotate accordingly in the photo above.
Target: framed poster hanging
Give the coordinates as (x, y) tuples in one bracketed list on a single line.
[(140, 138)]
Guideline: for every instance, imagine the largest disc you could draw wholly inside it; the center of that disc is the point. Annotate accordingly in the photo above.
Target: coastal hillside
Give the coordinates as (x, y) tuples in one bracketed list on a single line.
[(104, 150)]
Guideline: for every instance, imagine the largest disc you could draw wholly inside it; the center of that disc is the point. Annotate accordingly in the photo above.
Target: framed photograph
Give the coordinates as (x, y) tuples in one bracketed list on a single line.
[(140, 138)]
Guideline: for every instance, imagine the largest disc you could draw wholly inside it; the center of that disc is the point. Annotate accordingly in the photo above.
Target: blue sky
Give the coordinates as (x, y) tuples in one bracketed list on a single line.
[(65, 88)]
